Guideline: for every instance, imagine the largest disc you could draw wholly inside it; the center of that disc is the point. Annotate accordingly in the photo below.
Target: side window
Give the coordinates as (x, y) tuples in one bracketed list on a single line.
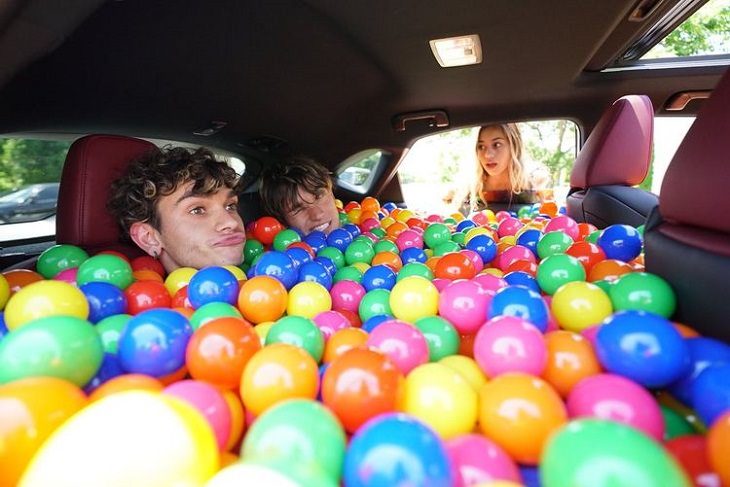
[(358, 172), (668, 134), (30, 170), (438, 171)]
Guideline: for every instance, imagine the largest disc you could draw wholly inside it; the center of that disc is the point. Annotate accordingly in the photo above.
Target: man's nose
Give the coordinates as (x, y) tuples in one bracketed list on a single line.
[(227, 220), (315, 211)]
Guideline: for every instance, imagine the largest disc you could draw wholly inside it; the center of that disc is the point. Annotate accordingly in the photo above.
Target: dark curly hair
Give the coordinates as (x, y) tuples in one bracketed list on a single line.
[(134, 196), (280, 183)]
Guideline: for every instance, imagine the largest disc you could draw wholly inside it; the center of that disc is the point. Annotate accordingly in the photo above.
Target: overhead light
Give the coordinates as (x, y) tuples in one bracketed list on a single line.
[(457, 51)]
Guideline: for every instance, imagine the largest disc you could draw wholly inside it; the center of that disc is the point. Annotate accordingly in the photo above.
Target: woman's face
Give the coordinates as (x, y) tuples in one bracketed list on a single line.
[(493, 152)]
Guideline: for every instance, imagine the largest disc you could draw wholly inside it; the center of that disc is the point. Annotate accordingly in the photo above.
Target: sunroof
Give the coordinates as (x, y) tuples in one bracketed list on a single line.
[(706, 32)]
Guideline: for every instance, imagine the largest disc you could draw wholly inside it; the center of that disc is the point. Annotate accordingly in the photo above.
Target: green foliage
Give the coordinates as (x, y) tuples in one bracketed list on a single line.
[(29, 161), (553, 144), (698, 34)]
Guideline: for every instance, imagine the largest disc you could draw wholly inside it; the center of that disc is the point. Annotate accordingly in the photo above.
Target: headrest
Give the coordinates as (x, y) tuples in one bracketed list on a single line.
[(92, 163), (694, 189), (618, 150)]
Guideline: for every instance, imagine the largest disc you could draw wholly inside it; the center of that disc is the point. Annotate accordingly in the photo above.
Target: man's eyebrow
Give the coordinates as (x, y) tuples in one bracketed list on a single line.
[(191, 194)]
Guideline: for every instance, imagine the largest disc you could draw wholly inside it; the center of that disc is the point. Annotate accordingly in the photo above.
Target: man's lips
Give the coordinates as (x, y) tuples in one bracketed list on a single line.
[(235, 239)]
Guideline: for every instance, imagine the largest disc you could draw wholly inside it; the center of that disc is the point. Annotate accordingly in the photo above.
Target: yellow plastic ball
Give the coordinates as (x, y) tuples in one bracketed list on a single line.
[(45, 298), (236, 271), (442, 398), (179, 278), (468, 368), (474, 231), (308, 299), (4, 291), (579, 305), (361, 266), (262, 329), (413, 298)]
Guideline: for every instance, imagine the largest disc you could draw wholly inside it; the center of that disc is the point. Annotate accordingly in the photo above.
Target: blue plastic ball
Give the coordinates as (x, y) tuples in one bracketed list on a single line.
[(212, 284), (396, 449), (621, 242), (643, 347), (529, 239), (353, 229), (521, 302), (413, 254), (339, 238), (316, 271), (372, 322), (298, 255), (154, 342), (278, 265), (703, 352), (3, 327), (465, 225), (485, 246), (110, 367), (711, 393), (105, 299), (378, 277), (317, 240), (522, 278), (327, 263)]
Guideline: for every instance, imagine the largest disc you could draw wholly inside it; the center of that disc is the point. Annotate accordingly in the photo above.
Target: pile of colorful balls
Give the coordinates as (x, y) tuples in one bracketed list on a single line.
[(501, 349)]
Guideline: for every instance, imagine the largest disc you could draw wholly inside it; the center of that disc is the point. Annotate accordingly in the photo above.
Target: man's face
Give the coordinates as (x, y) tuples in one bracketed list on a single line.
[(314, 212), (200, 230)]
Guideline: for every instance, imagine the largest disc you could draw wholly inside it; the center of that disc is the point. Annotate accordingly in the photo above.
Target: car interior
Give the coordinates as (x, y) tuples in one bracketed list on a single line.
[(355, 86)]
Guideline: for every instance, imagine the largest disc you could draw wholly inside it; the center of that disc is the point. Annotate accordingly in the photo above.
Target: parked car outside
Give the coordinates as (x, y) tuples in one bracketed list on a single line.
[(29, 203)]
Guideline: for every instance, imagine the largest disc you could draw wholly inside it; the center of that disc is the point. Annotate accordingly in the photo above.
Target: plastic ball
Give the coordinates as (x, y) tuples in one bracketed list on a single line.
[(484, 245), (415, 454), (514, 253), (144, 295), (690, 452), (299, 331), (262, 298), (565, 224), (378, 277), (558, 269), (148, 440), (212, 284), (278, 265), (616, 398), (105, 268), (58, 258), (375, 302), (609, 453), (298, 432), (621, 242), (522, 279), (402, 342), (643, 347), (308, 299), (555, 242), (218, 352), (342, 341), (210, 311), (579, 305), (19, 278), (703, 352), (335, 255), (718, 444), (315, 272), (468, 368), (42, 299), (510, 344), (31, 409), (414, 298), (570, 359), (587, 253), (520, 412), (520, 302), (455, 411), (339, 238), (441, 337), (126, 382), (154, 342), (478, 460), (435, 234), (109, 330), (645, 292), (66, 347), (711, 392), (275, 373), (454, 266), (608, 270), (347, 295)]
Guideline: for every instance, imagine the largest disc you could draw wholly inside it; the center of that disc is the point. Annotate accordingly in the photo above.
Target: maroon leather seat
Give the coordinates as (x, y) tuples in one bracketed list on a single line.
[(687, 238), (92, 163), (615, 158)]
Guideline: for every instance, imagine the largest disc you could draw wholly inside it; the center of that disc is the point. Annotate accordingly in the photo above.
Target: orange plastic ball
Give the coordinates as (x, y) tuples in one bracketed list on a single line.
[(519, 412), (370, 203), (386, 257), (522, 265), (454, 265), (262, 298), (571, 358), (218, 352), (276, 373), (19, 278), (30, 410), (609, 270), (360, 384), (342, 341), (147, 275), (396, 228), (238, 418), (585, 229), (549, 208), (686, 331), (718, 445), (266, 228)]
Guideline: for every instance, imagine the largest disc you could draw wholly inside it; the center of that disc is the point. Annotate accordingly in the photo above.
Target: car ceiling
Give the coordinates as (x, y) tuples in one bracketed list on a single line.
[(326, 76)]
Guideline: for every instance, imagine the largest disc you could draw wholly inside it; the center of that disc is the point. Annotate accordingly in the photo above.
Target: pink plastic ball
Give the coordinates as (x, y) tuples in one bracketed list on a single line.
[(209, 402), (490, 282), (565, 224), (67, 275), (475, 258), (464, 304), (509, 226), (514, 253), (441, 283), (616, 398), (347, 295), (502, 215), (409, 238), (368, 224), (434, 218), (331, 321), (477, 459), (510, 344), (480, 218), (402, 342), (590, 334)]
